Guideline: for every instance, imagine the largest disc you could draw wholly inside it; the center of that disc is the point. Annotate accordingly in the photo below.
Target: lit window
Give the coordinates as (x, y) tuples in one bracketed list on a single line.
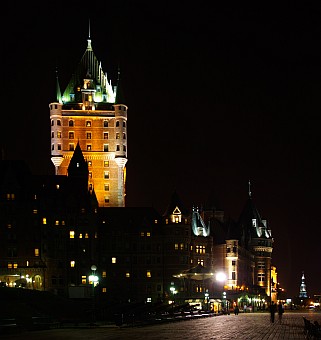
[(127, 274), (113, 260), (104, 274), (90, 174), (80, 235), (57, 186), (72, 264), (88, 123), (106, 174), (57, 222), (142, 234), (148, 234), (88, 135), (104, 290), (106, 164), (10, 265), (71, 234), (148, 274), (10, 197), (15, 265), (86, 235), (35, 211), (106, 187), (83, 279), (44, 220), (90, 163), (176, 246), (182, 246), (88, 147), (261, 277), (117, 135), (71, 135), (36, 251)]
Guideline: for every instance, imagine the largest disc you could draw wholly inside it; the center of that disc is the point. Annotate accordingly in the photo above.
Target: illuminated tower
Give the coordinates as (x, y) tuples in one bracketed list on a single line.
[(91, 112), (303, 288)]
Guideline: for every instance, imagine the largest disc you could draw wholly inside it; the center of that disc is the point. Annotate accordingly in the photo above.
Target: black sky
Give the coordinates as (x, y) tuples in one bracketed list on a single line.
[(216, 95)]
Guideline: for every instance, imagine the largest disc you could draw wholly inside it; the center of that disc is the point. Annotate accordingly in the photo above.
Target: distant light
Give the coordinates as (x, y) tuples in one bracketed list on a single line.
[(221, 277)]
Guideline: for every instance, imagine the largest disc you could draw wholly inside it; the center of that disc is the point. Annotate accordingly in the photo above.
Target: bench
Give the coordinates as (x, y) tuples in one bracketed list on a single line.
[(312, 330)]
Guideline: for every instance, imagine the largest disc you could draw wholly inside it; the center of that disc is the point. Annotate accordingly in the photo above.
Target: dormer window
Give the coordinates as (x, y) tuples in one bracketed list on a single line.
[(176, 216)]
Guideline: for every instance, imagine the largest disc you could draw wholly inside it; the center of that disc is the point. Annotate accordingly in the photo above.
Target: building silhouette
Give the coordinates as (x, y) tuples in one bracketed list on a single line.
[(54, 228)]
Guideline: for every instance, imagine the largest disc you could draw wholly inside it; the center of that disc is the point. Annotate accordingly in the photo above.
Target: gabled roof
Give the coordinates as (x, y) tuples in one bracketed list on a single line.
[(174, 203)]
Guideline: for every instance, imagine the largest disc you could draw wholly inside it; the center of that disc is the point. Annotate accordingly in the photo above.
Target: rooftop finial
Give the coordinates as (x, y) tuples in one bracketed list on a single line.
[(89, 40), (250, 194)]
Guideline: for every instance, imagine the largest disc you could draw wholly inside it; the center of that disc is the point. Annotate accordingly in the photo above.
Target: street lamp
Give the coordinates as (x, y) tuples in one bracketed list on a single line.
[(93, 278), (220, 277), (207, 295), (173, 291)]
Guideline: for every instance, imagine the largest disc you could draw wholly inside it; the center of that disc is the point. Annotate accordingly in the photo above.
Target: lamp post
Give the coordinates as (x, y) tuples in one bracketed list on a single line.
[(173, 290), (207, 295), (93, 278), (221, 278)]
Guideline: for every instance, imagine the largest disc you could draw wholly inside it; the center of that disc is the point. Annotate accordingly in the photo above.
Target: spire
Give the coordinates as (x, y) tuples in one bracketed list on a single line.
[(58, 92), (119, 91), (89, 39), (303, 288)]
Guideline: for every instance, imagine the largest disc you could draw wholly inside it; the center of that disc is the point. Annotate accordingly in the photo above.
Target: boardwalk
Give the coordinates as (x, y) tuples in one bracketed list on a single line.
[(243, 326)]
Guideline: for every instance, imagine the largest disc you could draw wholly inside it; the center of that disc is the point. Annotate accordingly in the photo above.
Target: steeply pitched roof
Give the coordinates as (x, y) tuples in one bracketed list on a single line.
[(89, 68), (175, 202)]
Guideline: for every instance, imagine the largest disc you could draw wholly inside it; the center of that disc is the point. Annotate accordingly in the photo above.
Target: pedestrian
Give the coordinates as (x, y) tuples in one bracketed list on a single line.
[(236, 310), (272, 311), (280, 311)]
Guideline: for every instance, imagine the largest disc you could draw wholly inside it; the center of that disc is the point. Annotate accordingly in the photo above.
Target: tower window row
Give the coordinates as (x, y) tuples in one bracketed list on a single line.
[(88, 123), (71, 135), (89, 147)]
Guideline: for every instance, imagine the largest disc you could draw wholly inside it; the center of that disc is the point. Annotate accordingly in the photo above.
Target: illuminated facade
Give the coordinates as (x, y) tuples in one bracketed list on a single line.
[(91, 112)]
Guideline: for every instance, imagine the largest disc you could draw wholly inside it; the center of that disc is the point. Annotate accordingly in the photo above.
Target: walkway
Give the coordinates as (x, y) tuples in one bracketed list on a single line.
[(224, 327)]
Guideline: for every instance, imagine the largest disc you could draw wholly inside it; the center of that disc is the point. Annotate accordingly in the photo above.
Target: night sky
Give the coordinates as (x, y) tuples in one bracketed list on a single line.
[(217, 96)]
